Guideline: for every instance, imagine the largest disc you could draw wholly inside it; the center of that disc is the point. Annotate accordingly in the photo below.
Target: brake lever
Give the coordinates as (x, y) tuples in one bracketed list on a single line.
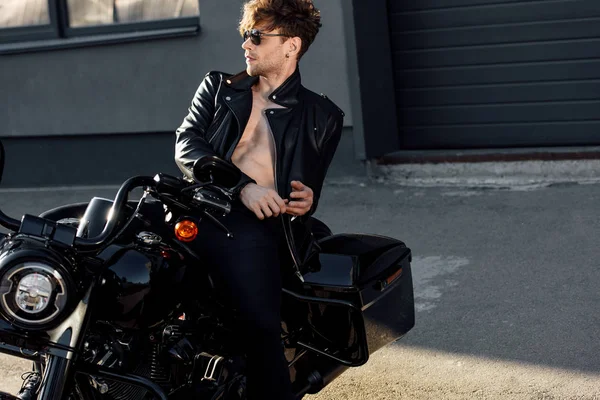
[(193, 187), (219, 224)]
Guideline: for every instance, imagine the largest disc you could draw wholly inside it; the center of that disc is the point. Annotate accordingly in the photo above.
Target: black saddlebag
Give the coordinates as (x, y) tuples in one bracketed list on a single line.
[(371, 275)]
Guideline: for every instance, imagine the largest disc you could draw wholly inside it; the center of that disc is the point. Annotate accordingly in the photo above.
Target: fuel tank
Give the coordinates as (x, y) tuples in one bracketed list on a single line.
[(142, 280), (141, 287)]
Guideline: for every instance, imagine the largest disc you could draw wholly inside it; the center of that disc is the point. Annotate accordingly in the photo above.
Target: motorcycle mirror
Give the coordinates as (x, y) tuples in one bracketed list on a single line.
[(216, 170)]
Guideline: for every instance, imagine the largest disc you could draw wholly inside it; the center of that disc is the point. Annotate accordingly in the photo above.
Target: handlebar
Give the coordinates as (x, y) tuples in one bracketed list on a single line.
[(95, 243), (8, 222), (163, 184)]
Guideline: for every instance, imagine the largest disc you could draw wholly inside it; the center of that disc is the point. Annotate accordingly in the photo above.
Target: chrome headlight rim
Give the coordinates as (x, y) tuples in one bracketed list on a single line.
[(52, 314)]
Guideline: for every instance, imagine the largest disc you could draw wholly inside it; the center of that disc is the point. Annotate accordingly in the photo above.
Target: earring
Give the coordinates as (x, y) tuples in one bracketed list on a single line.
[(287, 55)]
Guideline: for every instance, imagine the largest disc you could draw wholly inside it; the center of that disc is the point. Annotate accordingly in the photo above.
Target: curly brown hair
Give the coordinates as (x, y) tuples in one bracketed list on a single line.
[(292, 17)]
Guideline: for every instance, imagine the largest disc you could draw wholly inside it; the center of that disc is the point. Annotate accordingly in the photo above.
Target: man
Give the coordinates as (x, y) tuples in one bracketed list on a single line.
[(282, 137)]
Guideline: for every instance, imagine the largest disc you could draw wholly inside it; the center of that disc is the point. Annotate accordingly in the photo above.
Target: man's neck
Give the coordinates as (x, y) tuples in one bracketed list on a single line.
[(268, 83)]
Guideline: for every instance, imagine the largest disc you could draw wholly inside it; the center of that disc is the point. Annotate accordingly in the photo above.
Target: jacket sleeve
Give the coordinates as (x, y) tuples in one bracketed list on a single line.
[(191, 142), (331, 139)]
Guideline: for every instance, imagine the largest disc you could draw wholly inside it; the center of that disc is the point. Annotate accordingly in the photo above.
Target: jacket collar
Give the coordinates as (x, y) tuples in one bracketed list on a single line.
[(285, 95)]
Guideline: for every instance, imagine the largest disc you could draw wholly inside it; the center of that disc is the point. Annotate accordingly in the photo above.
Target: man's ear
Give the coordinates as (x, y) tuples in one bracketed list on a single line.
[(295, 44)]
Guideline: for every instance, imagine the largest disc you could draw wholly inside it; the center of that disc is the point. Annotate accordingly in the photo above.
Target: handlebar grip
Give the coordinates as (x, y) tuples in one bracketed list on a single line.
[(169, 184), (8, 222)]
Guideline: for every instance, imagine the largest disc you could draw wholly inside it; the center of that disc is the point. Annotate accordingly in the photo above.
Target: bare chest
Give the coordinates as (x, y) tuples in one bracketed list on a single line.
[(255, 153)]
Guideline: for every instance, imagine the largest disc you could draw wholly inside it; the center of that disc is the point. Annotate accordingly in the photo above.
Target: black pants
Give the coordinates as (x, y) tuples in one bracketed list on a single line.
[(248, 269)]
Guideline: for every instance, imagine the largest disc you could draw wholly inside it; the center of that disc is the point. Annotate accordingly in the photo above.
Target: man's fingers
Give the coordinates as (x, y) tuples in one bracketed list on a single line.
[(299, 206), (299, 202), (259, 213), (300, 195), (266, 203), (274, 207), (276, 203), (264, 207), (267, 212), (281, 203), (297, 185), (297, 211)]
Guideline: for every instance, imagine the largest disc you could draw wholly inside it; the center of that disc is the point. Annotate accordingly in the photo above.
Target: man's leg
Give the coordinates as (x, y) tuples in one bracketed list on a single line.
[(249, 271)]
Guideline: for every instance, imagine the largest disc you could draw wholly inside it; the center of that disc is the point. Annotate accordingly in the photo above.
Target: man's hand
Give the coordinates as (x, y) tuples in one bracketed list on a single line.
[(263, 202), (301, 199)]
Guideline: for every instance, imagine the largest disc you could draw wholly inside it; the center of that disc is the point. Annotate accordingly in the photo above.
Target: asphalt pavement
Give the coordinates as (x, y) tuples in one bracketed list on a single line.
[(506, 277)]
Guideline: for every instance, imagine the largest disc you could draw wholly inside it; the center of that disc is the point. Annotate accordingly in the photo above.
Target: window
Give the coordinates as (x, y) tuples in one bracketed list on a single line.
[(37, 24), (18, 13), (103, 12)]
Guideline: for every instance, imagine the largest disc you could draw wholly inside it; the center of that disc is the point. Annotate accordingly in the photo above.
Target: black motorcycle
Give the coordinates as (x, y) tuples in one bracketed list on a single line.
[(108, 301)]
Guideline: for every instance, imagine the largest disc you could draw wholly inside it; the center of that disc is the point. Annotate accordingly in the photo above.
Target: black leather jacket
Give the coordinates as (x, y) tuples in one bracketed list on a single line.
[(306, 134)]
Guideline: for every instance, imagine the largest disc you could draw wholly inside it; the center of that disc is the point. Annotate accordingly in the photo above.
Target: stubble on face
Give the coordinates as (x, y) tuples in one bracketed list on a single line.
[(268, 60), (261, 67)]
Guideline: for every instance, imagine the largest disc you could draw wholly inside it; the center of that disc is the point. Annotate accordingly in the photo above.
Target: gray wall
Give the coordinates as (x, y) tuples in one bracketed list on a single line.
[(147, 86), (74, 116), (84, 160)]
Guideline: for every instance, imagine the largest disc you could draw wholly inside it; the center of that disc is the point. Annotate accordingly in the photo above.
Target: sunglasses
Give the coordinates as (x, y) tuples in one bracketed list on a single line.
[(255, 36)]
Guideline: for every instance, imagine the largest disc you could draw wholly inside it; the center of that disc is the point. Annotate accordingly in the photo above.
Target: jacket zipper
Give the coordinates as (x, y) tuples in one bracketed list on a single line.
[(285, 232), (214, 134), (229, 153)]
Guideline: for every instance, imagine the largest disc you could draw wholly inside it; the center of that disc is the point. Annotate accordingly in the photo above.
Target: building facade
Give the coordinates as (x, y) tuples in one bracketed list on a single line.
[(97, 103), (92, 91)]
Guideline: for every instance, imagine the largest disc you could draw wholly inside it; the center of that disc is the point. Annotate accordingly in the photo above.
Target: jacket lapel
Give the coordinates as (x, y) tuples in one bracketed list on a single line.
[(240, 104), (237, 94)]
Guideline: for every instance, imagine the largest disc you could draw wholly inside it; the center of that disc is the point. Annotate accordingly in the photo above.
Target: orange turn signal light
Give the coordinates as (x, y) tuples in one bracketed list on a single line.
[(384, 283), (186, 230), (393, 277)]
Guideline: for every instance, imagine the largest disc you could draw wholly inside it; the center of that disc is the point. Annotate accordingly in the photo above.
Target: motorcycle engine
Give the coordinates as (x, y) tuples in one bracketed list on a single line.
[(145, 356), (122, 391), (171, 356)]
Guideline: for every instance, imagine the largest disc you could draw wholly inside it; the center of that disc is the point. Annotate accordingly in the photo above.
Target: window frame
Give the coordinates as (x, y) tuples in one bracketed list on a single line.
[(58, 34)]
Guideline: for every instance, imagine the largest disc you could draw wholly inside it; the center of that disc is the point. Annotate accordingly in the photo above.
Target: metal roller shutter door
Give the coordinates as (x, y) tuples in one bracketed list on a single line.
[(496, 73)]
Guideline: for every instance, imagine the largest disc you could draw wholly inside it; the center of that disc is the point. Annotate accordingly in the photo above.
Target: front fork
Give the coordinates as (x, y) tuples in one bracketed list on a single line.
[(57, 368), (58, 376), (55, 378)]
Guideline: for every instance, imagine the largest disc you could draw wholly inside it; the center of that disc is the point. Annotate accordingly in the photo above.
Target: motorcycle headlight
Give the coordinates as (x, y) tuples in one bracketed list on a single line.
[(34, 294)]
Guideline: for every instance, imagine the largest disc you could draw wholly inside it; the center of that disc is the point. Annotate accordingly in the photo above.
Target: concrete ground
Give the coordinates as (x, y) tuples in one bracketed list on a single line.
[(506, 282)]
